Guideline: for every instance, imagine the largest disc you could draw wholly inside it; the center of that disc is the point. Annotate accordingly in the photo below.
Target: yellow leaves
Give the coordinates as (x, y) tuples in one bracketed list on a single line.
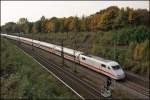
[(50, 26), (34, 29), (141, 51), (132, 16), (137, 52)]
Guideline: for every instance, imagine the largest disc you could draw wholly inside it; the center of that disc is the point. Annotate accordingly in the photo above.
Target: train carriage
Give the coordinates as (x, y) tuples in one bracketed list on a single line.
[(107, 67)]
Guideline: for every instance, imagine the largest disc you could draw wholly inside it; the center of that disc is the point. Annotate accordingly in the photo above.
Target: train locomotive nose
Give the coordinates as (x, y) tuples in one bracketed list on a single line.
[(119, 74)]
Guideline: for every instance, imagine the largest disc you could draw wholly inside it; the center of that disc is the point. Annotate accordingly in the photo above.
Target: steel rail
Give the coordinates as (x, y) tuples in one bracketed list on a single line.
[(127, 83), (92, 92)]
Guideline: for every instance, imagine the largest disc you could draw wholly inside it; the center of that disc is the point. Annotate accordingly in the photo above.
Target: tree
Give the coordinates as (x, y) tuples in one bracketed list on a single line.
[(22, 21), (140, 34), (121, 19), (83, 26), (43, 23), (107, 18), (67, 24), (9, 27), (141, 51), (94, 20), (61, 26), (27, 28), (36, 27), (132, 16), (48, 26), (111, 18), (142, 17), (52, 25), (74, 25)]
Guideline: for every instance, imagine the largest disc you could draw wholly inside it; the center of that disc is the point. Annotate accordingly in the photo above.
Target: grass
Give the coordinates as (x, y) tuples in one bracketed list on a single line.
[(23, 78)]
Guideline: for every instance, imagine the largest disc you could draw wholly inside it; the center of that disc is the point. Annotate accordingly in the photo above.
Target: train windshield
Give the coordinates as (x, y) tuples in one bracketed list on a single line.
[(116, 67)]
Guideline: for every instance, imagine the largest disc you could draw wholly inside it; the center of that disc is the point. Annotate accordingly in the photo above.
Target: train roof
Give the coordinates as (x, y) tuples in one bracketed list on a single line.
[(101, 60), (106, 61), (69, 51), (59, 48)]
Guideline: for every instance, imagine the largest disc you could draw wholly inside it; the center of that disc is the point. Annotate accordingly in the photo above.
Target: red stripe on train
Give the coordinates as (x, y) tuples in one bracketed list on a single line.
[(81, 62), (90, 66)]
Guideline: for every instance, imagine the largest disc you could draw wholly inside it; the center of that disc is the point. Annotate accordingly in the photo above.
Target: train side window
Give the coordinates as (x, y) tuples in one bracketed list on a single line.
[(103, 65), (83, 58)]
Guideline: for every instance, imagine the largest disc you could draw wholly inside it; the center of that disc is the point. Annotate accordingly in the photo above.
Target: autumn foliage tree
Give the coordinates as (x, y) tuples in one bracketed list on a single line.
[(111, 18)]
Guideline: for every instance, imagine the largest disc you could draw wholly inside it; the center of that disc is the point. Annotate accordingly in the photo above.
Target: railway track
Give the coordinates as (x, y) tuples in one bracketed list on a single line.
[(137, 79), (140, 89), (83, 88), (88, 91)]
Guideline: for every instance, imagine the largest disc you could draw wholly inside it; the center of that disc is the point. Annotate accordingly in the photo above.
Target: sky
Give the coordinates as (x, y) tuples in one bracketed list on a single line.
[(33, 10)]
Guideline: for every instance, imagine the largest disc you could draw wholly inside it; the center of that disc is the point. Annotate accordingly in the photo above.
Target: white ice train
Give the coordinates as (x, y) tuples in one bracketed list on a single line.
[(107, 67)]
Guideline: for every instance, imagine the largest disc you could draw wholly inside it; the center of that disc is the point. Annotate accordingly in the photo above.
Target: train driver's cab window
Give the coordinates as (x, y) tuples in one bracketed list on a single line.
[(116, 67), (83, 58), (103, 65)]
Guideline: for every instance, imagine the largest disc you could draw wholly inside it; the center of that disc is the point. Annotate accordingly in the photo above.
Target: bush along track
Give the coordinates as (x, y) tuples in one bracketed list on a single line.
[(22, 78)]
